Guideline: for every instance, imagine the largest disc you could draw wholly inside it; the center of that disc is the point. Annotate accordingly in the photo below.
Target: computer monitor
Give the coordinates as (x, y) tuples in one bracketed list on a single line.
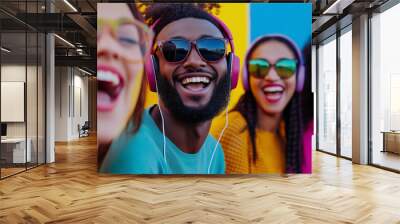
[(3, 129)]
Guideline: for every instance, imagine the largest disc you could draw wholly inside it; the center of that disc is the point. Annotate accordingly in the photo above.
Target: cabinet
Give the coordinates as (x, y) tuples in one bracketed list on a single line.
[(391, 141)]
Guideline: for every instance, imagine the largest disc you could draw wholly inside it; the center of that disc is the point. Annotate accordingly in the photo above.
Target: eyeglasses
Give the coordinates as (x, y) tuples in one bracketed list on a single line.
[(284, 67), (130, 34), (177, 50)]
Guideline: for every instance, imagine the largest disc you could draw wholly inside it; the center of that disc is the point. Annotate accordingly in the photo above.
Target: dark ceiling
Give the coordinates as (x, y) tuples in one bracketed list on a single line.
[(79, 27), (35, 17), (332, 15)]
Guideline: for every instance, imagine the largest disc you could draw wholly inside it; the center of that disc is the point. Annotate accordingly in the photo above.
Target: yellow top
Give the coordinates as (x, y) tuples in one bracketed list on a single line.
[(238, 148)]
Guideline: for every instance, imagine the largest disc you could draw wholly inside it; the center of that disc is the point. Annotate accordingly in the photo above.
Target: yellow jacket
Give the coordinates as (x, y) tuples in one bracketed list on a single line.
[(238, 150)]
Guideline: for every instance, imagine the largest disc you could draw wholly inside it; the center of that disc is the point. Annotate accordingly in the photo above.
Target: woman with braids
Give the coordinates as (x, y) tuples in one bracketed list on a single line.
[(266, 126), (122, 42)]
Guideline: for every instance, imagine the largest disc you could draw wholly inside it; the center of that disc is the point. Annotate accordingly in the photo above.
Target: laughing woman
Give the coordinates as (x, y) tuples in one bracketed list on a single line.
[(122, 42), (265, 130)]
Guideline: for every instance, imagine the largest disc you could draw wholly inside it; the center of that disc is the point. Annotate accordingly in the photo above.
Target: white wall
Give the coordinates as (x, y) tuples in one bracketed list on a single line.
[(62, 80), (16, 73), (33, 126), (71, 93), (13, 73), (81, 84)]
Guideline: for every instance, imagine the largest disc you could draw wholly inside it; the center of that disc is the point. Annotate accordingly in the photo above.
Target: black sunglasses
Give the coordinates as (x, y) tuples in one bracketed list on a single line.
[(177, 50)]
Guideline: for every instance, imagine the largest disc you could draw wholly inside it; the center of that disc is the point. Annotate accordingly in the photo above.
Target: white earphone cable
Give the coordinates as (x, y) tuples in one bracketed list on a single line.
[(163, 131), (162, 123), (219, 138)]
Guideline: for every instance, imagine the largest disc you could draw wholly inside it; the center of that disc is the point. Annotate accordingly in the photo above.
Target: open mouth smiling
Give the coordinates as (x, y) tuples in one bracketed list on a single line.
[(195, 82), (273, 92), (110, 85)]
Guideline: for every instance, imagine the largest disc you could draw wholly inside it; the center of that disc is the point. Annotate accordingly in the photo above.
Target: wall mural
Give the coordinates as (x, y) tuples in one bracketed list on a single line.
[(204, 88)]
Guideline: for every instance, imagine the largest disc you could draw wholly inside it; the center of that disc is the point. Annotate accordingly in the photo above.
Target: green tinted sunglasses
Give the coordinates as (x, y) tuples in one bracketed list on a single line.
[(285, 67)]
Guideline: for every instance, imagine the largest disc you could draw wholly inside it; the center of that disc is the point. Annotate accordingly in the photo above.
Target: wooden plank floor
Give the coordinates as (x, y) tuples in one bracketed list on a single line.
[(10, 171), (71, 191)]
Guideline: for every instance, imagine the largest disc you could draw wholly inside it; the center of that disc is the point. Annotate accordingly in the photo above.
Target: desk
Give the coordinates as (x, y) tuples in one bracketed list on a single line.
[(16, 147), (391, 141)]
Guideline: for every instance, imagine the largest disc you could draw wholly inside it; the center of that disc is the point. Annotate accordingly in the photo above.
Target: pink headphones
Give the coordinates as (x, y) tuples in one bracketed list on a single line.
[(301, 67), (151, 64)]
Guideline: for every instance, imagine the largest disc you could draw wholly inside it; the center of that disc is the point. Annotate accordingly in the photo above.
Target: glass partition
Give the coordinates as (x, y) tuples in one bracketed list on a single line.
[(327, 95), (13, 103), (22, 67), (385, 89), (346, 92)]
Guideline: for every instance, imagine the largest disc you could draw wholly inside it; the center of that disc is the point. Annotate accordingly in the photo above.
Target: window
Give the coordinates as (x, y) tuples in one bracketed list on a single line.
[(385, 89), (346, 92), (327, 96)]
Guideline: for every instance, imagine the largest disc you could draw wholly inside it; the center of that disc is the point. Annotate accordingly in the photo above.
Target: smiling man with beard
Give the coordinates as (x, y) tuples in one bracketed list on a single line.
[(193, 68)]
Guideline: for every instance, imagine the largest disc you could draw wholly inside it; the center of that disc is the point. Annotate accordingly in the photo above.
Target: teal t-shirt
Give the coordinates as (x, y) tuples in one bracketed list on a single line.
[(142, 153)]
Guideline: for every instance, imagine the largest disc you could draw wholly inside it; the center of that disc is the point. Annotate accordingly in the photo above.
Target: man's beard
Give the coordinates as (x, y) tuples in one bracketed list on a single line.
[(172, 100)]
